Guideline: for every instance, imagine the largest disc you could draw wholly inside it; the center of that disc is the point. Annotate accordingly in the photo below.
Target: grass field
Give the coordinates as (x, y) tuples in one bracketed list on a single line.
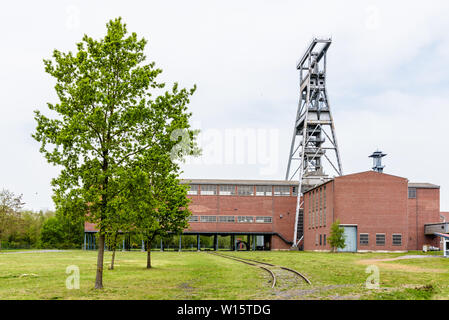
[(198, 275)]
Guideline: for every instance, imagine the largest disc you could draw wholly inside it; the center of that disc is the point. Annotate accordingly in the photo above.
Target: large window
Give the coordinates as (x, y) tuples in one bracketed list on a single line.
[(226, 219), (412, 193), (208, 190), (282, 191), (245, 190), (227, 190), (263, 219), (208, 219), (245, 219), (397, 239), (264, 190), (380, 239), (193, 189), (193, 219), (364, 239)]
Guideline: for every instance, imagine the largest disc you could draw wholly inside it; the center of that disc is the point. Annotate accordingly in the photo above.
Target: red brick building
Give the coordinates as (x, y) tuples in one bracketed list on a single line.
[(380, 212), (263, 210)]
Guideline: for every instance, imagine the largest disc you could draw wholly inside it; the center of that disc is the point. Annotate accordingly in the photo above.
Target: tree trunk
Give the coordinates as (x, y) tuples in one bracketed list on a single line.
[(114, 246), (149, 257), (100, 259)]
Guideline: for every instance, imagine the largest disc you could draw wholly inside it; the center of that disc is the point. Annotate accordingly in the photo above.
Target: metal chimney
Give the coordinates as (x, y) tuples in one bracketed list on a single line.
[(377, 161)]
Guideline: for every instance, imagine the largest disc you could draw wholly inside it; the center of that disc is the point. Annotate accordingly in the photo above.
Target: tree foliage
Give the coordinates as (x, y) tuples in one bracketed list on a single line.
[(10, 206), (111, 138), (336, 238)]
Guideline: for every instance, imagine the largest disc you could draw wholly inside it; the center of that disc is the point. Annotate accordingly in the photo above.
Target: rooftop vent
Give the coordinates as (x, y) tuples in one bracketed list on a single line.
[(377, 161)]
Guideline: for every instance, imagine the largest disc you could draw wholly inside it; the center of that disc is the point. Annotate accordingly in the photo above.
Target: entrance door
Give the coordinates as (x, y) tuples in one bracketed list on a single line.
[(350, 239)]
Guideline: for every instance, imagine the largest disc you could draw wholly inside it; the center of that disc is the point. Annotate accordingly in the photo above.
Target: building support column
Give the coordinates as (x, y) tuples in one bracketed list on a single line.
[(143, 246), (215, 242), (162, 245), (198, 244), (180, 243), (254, 242)]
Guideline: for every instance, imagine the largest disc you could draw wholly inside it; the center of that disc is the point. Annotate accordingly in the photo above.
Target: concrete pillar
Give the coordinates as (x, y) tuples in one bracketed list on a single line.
[(162, 245), (143, 246), (94, 241), (123, 245), (254, 242), (180, 243), (198, 244), (215, 242)]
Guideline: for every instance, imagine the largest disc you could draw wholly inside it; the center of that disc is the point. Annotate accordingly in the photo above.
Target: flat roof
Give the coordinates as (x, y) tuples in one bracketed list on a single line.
[(423, 185), (240, 182)]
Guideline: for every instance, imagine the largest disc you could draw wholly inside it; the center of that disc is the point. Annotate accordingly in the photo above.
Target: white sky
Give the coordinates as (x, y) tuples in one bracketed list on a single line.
[(387, 80)]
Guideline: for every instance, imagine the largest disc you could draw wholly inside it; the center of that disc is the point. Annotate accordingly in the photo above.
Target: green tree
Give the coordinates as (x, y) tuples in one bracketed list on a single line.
[(10, 206), (337, 238), (106, 122)]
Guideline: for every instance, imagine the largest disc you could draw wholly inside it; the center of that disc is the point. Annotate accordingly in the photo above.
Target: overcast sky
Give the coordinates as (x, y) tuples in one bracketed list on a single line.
[(387, 80)]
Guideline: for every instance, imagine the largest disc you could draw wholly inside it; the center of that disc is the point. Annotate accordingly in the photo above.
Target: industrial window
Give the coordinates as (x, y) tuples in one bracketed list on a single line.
[(316, 207), (193, 189), (227, 190), (208, 218), (264, 219), (321, 240), (313, 209), (412, 193), (281, 190), (310, 209), (380, 239), (245, 190), (208, 190), (193, 219), (295, 191), (364, 239), (397, 239), (321, 208), (245, 219), (324, 206), (226, 219), (324, 239), (316, 239), (264, 190)]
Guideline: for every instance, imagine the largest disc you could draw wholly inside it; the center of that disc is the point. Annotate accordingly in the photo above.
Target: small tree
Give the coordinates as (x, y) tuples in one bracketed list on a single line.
[(337, 237)]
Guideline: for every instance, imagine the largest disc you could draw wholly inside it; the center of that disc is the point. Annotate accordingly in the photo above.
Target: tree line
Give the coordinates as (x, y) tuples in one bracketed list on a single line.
[(21, 228)]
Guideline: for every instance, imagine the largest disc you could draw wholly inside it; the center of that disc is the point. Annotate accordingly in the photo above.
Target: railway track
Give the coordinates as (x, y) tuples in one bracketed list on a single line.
[(265, 266)]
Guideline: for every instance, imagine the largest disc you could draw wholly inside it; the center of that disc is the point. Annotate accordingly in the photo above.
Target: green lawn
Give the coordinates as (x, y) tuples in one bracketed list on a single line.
[(198, 275)]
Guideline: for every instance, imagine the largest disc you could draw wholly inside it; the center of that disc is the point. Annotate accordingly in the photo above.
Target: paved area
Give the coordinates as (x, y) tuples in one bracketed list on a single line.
[(32, 251)]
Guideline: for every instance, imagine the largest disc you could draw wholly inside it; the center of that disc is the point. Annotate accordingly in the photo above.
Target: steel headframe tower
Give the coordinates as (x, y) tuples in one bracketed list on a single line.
[(314, 138)]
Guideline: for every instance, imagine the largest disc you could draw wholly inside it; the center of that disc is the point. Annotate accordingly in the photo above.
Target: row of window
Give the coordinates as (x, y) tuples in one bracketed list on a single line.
[(241, 190), (380, 239), (317, 207), (240, 219), (322, 240), (364, 239)]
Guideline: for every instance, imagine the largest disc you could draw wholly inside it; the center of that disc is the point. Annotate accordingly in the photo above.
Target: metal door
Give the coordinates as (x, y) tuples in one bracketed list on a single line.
[(350, 239)]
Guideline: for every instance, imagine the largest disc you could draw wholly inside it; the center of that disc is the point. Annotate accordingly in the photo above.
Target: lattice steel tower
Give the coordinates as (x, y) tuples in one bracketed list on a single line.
[(314, 139)]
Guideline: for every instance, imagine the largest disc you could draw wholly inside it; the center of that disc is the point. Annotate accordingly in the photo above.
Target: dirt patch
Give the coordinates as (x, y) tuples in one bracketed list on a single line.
[(400, 267)]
